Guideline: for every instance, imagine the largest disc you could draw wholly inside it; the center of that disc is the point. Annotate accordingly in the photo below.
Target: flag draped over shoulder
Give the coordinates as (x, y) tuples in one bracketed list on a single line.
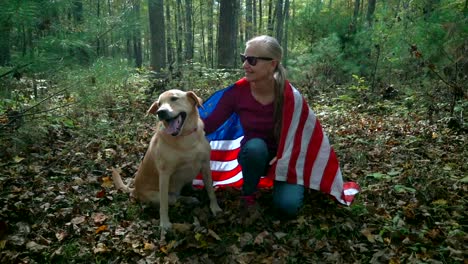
[(304, 156)]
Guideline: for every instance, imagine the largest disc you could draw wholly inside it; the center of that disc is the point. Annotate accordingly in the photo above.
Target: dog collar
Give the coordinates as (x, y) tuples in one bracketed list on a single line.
[(189, 133)]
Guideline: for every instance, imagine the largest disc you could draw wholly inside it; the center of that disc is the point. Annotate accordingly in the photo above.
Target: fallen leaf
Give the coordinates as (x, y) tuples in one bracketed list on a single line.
[(213, 234), (99, 218), (2, 244), (181, 228), (101, 193), (368, 234), (33, 246), (101, 229), (101, 248), (260, 237), (107, 182), (78, 220), (149, 246), (18, 159), (61, 235), (280, 235)]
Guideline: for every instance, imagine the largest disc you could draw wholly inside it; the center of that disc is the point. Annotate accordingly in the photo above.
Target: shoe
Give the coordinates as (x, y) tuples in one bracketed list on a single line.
[(249, 210)]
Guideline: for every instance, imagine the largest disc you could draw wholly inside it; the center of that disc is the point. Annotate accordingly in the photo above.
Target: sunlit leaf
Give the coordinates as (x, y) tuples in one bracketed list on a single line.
[(107, 182), (101, 229), (401, 189)]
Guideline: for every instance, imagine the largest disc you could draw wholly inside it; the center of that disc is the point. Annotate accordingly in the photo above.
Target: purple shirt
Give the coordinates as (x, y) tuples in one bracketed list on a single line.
[(256, 119)]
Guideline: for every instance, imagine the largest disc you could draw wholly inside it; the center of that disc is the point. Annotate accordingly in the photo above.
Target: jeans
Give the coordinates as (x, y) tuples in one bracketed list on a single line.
[(254, 158)]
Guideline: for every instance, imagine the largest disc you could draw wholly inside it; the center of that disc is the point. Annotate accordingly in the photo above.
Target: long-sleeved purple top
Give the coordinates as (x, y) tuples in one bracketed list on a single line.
[(256, 119)]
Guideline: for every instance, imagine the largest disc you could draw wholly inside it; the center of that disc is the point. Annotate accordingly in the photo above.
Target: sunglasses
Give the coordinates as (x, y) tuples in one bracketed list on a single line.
[(252, 60)]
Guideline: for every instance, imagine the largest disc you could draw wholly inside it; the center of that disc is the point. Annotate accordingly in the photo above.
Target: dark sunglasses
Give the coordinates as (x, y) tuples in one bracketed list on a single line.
[(252, 60)]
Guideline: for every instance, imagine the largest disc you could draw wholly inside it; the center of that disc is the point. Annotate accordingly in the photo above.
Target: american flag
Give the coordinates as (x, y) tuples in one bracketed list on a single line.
[(304, 156)]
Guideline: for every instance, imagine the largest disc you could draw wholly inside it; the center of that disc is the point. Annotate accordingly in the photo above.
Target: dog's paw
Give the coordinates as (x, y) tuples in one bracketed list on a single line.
[(165, 225), (215, 209)]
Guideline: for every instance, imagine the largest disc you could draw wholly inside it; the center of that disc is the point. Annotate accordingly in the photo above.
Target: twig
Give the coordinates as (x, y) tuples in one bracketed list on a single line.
[(47, 98), (14, 69)]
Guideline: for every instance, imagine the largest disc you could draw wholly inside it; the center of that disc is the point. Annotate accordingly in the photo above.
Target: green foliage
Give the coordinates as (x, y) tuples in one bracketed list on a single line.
[(322, 62)]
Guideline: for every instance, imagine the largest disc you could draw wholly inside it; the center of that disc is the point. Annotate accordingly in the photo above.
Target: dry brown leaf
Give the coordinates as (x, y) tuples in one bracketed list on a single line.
[(368, 234), (99, 218), (78, 220), (101, 229), (107, 182)]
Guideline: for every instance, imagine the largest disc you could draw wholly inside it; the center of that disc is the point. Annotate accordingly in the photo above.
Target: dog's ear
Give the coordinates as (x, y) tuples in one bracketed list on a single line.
[(153, 108), (198, 101)]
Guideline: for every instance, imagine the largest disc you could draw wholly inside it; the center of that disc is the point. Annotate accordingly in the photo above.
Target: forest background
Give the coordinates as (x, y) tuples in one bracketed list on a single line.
[(388, 79)]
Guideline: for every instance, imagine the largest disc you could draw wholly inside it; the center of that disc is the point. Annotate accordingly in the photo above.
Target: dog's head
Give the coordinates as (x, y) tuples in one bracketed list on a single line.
[(173, 107)]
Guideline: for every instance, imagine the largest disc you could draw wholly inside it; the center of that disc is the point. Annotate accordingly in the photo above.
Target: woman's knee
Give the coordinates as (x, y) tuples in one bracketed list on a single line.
[(288, 199), (254, 150)]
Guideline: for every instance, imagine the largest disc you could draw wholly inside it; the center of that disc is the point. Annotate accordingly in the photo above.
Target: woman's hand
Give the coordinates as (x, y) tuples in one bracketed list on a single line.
[(272, 161)]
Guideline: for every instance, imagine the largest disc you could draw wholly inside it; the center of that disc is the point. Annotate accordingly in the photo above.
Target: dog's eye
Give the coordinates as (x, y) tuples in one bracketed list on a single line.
[(173, 98)]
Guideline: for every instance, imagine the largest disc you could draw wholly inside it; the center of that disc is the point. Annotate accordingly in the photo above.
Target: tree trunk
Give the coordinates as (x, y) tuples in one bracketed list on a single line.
[(210, 33), (169, 32), (5, 28), (137, 36), (356, 10), (188, 31), (248, 19), (260, 16), (202, 26), (254, 17), (270, 17), (227, 34), (370, 11), (157, 34), (285, 45), (179, 33), (279, 21), (98, 40), (78, 11)]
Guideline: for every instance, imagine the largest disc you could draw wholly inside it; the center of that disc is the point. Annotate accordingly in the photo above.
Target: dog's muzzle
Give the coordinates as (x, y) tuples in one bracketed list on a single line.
[(173, 124)]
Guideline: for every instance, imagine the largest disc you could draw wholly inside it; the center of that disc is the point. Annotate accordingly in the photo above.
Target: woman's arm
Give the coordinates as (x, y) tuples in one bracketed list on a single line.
[(224, 109)]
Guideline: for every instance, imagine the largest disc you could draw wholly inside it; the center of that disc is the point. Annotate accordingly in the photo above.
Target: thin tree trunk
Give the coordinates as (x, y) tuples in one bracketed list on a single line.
[(210, 33), (227, 34), (157, 34), (188, 31), (270, 17), (255, 18), (356, 10), (260, 16), (248, 19), (179, 33), (370, 11), (98, 41), (285, 45), (5, 29), (170, 49), (279, 21), (137, 37), (202, 25)]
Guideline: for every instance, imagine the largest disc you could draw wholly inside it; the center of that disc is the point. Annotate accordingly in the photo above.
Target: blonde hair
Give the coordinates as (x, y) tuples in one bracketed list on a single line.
[(273, 49)]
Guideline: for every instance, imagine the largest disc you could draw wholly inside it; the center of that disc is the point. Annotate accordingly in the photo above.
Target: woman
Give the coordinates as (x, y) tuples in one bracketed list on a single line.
[(258, 100)]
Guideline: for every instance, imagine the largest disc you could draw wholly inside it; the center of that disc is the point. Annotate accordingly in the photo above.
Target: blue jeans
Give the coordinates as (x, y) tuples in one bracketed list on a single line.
[(254, 158)]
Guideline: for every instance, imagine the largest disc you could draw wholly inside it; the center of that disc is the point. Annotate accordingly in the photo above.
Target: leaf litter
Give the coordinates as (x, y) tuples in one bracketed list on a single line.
[(58, 204)]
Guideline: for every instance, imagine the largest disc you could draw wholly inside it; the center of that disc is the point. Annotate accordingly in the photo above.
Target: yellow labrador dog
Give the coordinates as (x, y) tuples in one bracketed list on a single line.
[(177, 153)]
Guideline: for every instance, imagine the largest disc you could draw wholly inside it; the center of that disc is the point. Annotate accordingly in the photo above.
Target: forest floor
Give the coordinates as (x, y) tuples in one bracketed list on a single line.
[(58, 203)]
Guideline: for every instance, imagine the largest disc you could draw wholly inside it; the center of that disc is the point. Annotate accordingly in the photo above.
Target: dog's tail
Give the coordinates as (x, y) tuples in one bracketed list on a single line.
[(118, 183)]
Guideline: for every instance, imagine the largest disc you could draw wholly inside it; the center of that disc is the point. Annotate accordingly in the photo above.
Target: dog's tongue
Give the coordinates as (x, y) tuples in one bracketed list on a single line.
[(173, 126)]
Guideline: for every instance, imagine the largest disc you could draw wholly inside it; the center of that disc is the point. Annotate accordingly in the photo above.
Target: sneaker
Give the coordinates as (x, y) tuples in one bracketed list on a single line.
[(249, 210)]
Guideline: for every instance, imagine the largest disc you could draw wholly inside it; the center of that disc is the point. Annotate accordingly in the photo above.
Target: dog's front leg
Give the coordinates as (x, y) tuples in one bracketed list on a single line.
[(208, 181), (164, 221)]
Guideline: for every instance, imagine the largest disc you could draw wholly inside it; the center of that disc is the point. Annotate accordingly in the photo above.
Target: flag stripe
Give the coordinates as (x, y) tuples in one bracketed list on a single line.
[(221, 155), (226, 144)]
